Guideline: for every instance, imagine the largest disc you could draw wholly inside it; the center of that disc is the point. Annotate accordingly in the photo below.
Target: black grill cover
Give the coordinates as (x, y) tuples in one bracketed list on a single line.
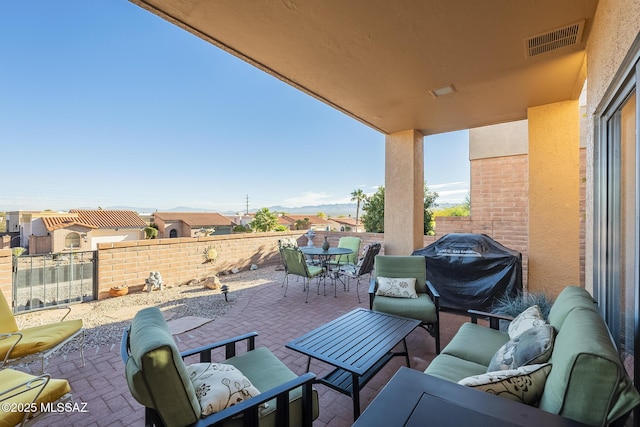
[(470, 271)]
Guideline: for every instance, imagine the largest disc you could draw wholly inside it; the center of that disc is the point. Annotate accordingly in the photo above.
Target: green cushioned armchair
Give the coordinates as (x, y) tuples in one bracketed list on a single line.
[(425, 308), (158, 379)]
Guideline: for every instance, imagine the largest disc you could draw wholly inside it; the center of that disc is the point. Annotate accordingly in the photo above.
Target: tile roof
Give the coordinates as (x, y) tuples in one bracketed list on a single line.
[(195, 219), (347, 221), (52, 223), (101, 218)]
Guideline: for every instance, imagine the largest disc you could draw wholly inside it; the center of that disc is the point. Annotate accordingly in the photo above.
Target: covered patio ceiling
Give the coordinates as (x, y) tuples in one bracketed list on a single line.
[(383, 62)]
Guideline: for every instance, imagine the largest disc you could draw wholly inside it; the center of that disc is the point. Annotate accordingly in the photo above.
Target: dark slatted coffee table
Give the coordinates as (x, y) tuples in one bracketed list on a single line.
[(358, 344)]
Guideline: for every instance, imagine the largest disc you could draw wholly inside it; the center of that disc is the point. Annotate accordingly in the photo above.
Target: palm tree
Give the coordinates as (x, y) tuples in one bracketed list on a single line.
[(358, 196)]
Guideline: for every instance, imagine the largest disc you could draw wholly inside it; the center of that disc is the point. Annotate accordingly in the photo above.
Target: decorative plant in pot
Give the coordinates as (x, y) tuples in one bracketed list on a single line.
[(509, 305), (118, 291)]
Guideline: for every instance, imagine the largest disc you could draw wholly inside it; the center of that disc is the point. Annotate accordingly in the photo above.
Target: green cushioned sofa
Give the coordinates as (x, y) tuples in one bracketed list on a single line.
[(157, 378), (587, 382)]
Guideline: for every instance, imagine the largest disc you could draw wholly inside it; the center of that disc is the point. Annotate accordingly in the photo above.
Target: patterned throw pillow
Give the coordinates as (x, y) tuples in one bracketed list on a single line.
[(397, 287), (219, 386), (529, 318), (524, 385), (531, 347)]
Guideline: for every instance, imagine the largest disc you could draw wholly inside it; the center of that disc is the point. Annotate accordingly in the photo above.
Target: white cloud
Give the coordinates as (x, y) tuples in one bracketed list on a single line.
[(447, 185)]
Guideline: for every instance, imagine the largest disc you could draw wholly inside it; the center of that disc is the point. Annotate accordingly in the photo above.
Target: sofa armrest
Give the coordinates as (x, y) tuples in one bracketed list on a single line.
[(228, 344), (494, 319), (250, 407), (372, 291)]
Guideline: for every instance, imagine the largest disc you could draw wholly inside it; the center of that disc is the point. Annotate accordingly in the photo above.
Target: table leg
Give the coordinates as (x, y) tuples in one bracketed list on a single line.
[(406, 352), (308, 363), (355, 395)]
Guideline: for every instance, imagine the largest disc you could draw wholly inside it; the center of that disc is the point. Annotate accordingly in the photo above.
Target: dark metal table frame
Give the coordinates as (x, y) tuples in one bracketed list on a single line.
[(325, 257), (412, 397), (358, 344)]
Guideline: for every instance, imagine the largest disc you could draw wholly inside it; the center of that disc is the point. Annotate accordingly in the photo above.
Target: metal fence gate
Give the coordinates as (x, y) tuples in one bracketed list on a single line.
[(47, 280)]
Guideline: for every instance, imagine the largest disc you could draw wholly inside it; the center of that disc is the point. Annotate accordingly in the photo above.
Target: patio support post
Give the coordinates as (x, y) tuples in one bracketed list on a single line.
[(404, 193), (554, 205)]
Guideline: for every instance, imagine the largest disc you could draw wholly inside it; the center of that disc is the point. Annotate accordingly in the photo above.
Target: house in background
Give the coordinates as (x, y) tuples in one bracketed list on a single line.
[(311, 221), (81, 230), (18, 224), (348, 224), (191, 224)]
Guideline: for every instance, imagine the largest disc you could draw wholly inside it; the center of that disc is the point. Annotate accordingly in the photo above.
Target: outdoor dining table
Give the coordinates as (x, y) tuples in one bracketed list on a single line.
[(325, 256)]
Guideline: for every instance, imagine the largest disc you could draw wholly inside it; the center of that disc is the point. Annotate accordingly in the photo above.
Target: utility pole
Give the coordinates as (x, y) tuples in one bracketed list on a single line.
[(247, 212)]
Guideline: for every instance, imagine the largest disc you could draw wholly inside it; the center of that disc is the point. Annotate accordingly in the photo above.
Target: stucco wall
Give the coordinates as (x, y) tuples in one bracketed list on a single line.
[(554, 209), (615, 27)]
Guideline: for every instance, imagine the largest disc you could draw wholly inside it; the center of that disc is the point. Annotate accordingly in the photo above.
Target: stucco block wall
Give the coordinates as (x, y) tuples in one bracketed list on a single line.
[(180, 260)]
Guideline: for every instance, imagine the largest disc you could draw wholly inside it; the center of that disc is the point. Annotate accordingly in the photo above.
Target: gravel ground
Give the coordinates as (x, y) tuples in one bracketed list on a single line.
[(105, 320)]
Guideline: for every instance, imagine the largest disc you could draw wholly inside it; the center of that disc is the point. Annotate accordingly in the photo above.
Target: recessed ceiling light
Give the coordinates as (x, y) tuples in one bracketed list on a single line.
[(441, 91)]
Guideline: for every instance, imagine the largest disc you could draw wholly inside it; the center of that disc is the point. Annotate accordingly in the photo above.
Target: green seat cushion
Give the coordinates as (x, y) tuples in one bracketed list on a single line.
[(453, 368), (587, 382), (314, 270), (476, 344), (421, 308), (266, 371)]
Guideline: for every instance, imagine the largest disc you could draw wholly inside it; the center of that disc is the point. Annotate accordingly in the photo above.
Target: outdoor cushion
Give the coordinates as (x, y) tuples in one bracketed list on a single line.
[(156, 365), (527, 319), (484, 342), (454, 368), (266, 372), (40, 338), (587, 376), (219, 386), (420, 308), (7, 320), (397, 287), (524, 384), (531, 347), (10, 378), (403, 266), (570, 298)]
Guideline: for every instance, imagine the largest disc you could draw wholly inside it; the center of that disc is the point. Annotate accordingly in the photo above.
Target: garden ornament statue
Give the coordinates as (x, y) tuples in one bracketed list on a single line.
[(154, 281)]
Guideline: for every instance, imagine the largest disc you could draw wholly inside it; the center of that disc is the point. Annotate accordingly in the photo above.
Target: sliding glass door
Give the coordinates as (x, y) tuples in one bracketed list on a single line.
[(616, 216)]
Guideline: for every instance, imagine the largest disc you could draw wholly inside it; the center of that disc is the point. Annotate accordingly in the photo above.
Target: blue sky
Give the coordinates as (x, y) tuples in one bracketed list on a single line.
[(104, 104)]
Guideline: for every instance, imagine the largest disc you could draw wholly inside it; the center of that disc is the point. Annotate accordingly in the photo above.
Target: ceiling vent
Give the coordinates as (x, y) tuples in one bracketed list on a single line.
[(569, 35)]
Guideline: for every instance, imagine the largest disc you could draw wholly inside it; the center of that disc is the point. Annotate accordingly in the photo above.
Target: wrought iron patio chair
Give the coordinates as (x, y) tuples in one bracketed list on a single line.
[(349, 242), (296, 264), (37, 342), (364, 267)]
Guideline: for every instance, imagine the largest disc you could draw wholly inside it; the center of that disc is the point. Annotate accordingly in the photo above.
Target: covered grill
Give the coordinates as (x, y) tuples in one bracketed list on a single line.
[(471, 271)]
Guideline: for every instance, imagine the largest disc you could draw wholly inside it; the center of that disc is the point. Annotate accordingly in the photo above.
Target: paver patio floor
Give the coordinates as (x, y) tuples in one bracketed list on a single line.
[(102, 386)]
